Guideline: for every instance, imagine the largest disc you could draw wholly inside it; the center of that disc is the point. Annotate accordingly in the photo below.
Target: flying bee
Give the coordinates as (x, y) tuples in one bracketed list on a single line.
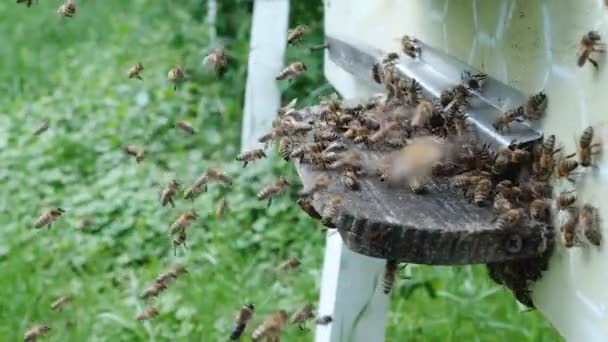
[(324, 320), (423, 114), (251, 156), (567, 221), (383, 132), (565, 200), (508, 219), (135, 71), (539, 210), (545, 163), (291, 71), (183, 221), (508, 190), (67, 9), (185, 126), (565, 167), (474, 82), (176, 75), (350, 180), (28, 3), (501, 204), (220, 208), (217, 59), (330, 211), (296, 34), (194, 191), (390, 273), (585, 148), (302, 315), (179, 239), (306, 205), (32, 334), (268, 192), (507, 118), (169, 193), (320, 183), (410, 47), (147, 314), (135, 151), (48, 217), (308, 148), (589, 44), (533, 189), (457, 98), (271, 327), (534, 108), (588, 219), (242, 318), (173, 274), (61, 302), (482, 191), (154, 290), (42, 127), (285, 148), (289, 264)]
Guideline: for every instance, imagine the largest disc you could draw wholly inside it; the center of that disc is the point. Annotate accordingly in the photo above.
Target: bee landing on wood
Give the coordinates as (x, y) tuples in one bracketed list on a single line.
[(302, 315), (291, 71), (169, 192), (585, 148), (508, 219), (185, 126), (588, 220), (242, 318), (589, 44), (60, 303), (135, 151), (48, 217), (270, 191), (320, 183), (68, 9), (568, 222), (330, 211), (271, 327), (154, 290), (32, 334), (176, 75), (250, 156), (474, 82), (296, 34), (135, 71), (147, 314)]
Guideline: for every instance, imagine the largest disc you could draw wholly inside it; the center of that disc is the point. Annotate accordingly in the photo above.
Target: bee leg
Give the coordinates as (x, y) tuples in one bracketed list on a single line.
[(592, 61), (171, 202), (139, 78), (245, 164)]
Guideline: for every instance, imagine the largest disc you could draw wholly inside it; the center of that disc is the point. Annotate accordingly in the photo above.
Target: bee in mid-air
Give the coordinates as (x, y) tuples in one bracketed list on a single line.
[(296, 34), (289, 264), (410, 47), (291, 71), (48, 217), (214, 174), (324, 320), (585, 148), (302, 315), (505, 120), (135, 71), (154, 290), (194, 191), (32, 334), (135, 151), (271, 190), (67, 9), (390, 272), (250, 156), (185, 126), (589, 44), (183, 221), (147, 314), (176, 75), (169, 192), (173, 274), (544, 165), (271, 327), (534, 108), (588, 219), (330, 211), (42, 127), (217, 59), (61, 302), (242, 318)]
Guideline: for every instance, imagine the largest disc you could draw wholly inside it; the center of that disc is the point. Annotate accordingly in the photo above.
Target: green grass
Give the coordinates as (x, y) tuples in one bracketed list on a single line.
[(72, 72)]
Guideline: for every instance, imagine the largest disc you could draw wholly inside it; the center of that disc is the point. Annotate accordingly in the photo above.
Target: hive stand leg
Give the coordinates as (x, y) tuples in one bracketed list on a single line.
[(351, 294)]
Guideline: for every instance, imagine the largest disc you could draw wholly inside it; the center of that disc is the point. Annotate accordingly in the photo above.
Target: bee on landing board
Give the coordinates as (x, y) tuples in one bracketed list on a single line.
[(296, 34), (67, 9), (147, 314), (585, 148), (251, 156), (169, 192), (474, 82), (135, 71), (302, 315), (291, 71), (566, 166), (539, 210), (176, 75), (32, 334), (217, 59), (271, 190), (48, 217), (271, 327), (589, 43), (154, 290), (62, 301), (242, 318)]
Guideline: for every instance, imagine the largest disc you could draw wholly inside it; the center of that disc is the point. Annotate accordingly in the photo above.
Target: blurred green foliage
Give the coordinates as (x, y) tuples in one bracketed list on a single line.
[(113, 241)]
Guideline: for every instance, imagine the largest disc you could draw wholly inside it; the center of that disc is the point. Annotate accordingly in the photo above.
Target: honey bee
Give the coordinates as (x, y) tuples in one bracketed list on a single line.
[(508, 219), (285, 148), (482, 191), (48, 217), (474, 82), (565, 167), (302, 315), (135, 71), (330, 211), (220, 208), (185, 126), (173, 274), (289, 264), (194, 191), (383, 132), (68, 9), (291, 71), (544, 165), (588, 219), (147, 314), (169, 193), (589, 43), (179, 239), (423, 114), (135, 151), (507, 118), (215, 174), (413, 91), (390, 58), (306, 205), (410, 47), (565, 200), (251, 156), (320, 183), (296, 34), (324, 320), (567, 221), (271, 327), (217, 59), (43, 127), (349, 179), (377, 73), (539, 210), (176, 75), (242, 318), (585, 148), (534, 108), (154, 290), (61, 302), (32, 334), (28, 3), (501, 204), (183, 221), (390, 272), (268, 192)]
